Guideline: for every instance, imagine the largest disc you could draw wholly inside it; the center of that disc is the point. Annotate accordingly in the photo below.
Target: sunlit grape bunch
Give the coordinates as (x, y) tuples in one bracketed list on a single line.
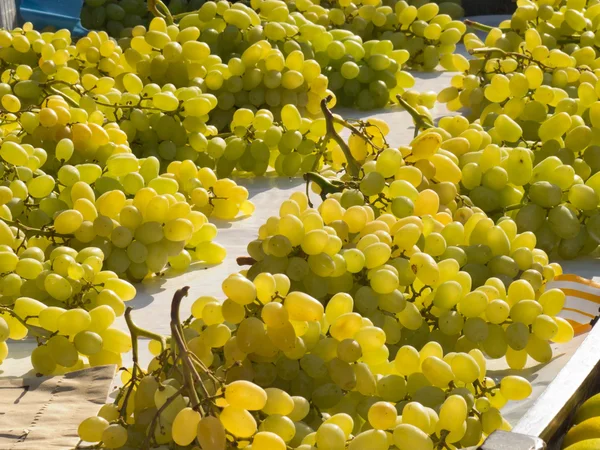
[(419, 279), (570, 27), (366, 75), (67, 302), (79, 210), (257, 72), (137, 227), (257, 57), (538, 107), (425, 31), (261, 369), (68, 168)]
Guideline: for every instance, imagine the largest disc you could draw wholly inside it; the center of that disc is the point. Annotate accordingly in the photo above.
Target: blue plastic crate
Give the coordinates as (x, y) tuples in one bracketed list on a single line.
[(53, 13)]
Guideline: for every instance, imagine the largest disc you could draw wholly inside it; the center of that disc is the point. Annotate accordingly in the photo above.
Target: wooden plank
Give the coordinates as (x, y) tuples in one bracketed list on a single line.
[(552, 413)]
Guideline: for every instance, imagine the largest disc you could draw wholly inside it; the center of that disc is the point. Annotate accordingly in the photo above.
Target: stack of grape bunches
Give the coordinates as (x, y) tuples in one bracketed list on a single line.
[(362, 322)]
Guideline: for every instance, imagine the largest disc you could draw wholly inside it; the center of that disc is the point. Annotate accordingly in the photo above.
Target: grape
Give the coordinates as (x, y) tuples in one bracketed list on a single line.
[(301, 306), (408, 436), (114, 436), (210, 433), (330, 436), (88, 342), (92, 429), (278, 402), (184, 426), (42, 361), (246, 395), (453, 413), (515, 387), (375, 439), (382, 415), (267, 440), (238, 421)]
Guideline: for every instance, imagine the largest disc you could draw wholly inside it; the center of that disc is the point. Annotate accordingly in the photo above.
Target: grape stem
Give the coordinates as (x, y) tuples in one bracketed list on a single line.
[(133, 330), (189, 371), (245, 260), (422, 122), (358, 133), (29, 231), (327, 186), (479, 26), (167, 12), (153, 7), (353, 167), (507, 209), (482, 390), (145, 108), (33, 329), (137, 332), (486, 51), (571, 40), (68, 99), (322, 148)]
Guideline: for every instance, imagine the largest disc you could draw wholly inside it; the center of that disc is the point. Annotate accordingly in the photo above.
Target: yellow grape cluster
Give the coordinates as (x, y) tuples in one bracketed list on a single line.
[(68, 160), (270, 54), (272, 368), (398, 271), (173, 125), (570, 27), (425, 29), (537, 101), (66, 301), (79, 210), (463, 284)]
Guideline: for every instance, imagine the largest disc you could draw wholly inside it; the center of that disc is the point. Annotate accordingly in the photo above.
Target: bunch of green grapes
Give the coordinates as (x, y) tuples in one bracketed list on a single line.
[(117, 16), (552, 205), (113, 16), (365, 75), (569, 27), (258, 60), (418, 179), (138, 218), (257, 143), (418, 278), (67, 163), (538, 163), (408, 199), (262, 76), (66, 301), (257, 74), (78, 209), (330, 48), (73, 339), (268, 56), (420, 29), (272, 367)]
